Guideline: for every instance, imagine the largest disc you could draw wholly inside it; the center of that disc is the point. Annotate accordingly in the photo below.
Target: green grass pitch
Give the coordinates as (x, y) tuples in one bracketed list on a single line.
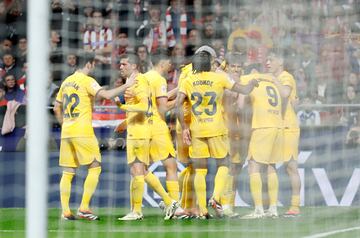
[(345, 222)]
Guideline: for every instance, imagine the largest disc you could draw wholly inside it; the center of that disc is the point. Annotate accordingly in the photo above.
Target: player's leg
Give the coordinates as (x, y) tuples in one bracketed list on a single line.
[(291, 145), (88, 153), (186, 177), (260, 138), (90, 184), (200, 166), (137, 170), (65, 192), (273, 190), (255, 189), (199, 152), (228, 199), (172, 183), (162, 149), (292, 170), (137, 152), (219, 149), (68, 163)]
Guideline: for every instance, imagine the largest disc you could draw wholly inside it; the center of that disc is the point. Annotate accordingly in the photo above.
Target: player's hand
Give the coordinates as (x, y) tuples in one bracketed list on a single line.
[(131, 80), (186, 136), (129, 93), (255, 82)]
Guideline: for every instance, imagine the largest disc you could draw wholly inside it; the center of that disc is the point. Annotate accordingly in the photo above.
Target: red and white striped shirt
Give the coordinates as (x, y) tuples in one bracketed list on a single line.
[(98, 40)]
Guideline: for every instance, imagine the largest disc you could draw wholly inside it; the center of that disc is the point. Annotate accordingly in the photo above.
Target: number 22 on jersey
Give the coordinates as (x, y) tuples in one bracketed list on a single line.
[(70, 102)]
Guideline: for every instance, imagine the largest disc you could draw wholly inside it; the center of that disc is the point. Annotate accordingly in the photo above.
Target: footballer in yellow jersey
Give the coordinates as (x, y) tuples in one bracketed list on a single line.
[(287, 87), (265, 148), (182, 149), (79, 146), (207, 133), (239, 126), (161, 146), (139, 113)]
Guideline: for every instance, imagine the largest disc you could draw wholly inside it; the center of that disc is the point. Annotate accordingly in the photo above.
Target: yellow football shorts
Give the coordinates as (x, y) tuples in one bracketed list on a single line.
[(182, 150), (266, 145), (209, 147), (137, 149), (291, 144), (161, 147), (78, 151)]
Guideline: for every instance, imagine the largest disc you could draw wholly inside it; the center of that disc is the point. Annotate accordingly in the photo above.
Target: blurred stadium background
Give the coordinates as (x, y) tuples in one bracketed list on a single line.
[(322, 46)]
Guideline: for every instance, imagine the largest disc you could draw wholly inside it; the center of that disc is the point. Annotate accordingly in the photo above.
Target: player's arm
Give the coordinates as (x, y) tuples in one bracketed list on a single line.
[(180, 115), (245, 89), (162, 106), (142, 106), (284, 90), (111, 93), (172, 94), (171, 104), (58, 112)]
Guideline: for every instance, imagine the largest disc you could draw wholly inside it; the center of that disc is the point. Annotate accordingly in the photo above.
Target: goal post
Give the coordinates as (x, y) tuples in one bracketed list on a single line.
[(37, 119)]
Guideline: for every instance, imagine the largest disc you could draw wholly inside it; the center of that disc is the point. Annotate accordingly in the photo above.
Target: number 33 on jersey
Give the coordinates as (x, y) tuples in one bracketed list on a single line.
[(205, 91), (76, 95), (265, 100)]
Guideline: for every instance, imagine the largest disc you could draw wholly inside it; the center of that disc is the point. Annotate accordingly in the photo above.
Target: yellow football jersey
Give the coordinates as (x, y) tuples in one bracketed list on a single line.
[(205, 91), (265, 100), (158, 88), (76, 95), (290, 118), (186, 71), (138, 123)]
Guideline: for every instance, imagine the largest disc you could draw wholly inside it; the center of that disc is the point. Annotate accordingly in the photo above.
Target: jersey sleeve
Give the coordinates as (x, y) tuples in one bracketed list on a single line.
[(59, 96), (160, 87), (183, 86), (92, 86), (141, 92), (287, 80)]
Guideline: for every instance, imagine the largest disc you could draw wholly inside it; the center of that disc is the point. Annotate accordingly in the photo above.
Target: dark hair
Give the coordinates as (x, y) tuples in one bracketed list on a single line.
[(133, 58), (235, 58), (201, 62), (158, 56), (141, 46), (86, 57)]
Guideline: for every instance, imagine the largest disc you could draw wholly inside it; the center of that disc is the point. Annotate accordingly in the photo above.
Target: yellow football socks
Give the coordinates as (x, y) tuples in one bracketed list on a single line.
[(220, 182), (65, 190), (187, 195), (200, 189), (173, 189), (137, 191), (90, 184), (226, 198), (156, 185), (295, 203), (256, 188), (273, 188)]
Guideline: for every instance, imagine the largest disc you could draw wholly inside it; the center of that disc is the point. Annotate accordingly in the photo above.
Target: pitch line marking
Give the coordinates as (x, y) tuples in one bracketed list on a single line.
[(324, 234)]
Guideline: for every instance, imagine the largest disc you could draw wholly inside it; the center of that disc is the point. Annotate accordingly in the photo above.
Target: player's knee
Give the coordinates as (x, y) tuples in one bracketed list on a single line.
[(94, 164), (222, 162), (291, 168), (137, 169), (235, 168)]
